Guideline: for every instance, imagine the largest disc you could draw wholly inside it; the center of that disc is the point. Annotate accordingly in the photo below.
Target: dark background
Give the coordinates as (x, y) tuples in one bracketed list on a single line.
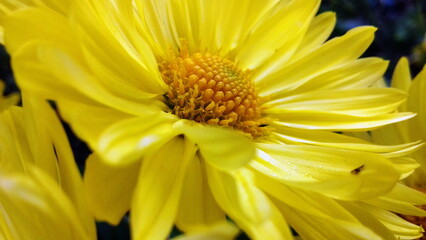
[(401, 31)]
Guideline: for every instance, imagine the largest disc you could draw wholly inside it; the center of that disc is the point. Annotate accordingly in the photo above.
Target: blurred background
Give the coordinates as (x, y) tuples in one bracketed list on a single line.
[(401, 32)]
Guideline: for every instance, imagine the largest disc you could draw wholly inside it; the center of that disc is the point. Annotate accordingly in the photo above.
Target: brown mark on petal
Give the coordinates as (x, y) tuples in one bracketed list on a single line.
[(357, 170)]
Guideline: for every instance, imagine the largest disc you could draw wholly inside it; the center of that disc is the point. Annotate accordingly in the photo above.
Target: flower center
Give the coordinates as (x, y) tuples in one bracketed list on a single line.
[(210, 89)]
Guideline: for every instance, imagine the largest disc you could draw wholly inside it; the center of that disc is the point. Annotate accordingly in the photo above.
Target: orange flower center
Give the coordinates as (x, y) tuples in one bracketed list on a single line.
[(210, 89)]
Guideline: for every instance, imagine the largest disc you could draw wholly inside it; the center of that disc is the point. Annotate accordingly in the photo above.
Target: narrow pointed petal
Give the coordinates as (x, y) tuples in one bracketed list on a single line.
[(310, 227), (319, 31), (271, 33), (401, 77), (401, 199), (336, 140), (353, 44), (336, 122), (246, 204), (156, 198), (367, 102), (198, 208), (327, 171)]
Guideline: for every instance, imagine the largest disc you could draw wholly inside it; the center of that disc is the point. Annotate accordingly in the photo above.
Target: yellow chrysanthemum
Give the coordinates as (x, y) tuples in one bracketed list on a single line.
[(40, 186), (415, 128), (188, 104)]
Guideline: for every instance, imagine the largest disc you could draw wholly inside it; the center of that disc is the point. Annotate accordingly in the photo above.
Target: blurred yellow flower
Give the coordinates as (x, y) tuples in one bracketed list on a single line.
[(413, 129), (40, 186), (188, 104)]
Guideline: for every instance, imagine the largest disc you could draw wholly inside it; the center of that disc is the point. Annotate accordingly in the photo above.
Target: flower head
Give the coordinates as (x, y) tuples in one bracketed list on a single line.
[(196, 111)]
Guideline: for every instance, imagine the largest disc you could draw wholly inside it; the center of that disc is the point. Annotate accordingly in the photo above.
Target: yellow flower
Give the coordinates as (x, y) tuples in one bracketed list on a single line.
[(413, 129), (7, 101), (40, 186), (188, 104)]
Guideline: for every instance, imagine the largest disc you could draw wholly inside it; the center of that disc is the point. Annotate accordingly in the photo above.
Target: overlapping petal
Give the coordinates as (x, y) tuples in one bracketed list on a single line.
[(327, 171), (198, 208), (155, 201)]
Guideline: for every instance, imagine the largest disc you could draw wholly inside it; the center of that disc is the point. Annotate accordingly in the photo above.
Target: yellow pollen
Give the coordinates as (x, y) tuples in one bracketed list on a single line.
[(210, 89)]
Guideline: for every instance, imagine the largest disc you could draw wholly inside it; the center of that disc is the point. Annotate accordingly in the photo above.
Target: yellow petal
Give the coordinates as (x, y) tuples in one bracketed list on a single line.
[(107, 34), (244, 14), (15, 151), (308, 202), (57, 151), (109, 189), (44, 26), (405, 165), (247, 205), (401, 199), (154, 23), (156, 198), (417, 103), (336, 122), (221, 231), (223, 148), (400, 227), (34, 207), (90, 129), (318, 32), (361, 73), (366, 102), (336, 140), (327, 171), (43, 57), (130, 139), (401, 77), (323, 59), (312, 227), (198, 208), (364, 214), (281, 29)]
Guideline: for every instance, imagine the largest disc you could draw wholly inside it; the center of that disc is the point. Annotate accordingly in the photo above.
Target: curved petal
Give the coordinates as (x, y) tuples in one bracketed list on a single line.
[(281, 29), (366, 102), (321, 60), (313, 227), (336, 140), (318, 32), (156, 199), (42, 123), (129, 140), (327, 171), (198, 208), (222, 147), (44, 57), (249, 207), (401, 199), (109, 189), (335, 121), (106, 31), (361, 73)]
